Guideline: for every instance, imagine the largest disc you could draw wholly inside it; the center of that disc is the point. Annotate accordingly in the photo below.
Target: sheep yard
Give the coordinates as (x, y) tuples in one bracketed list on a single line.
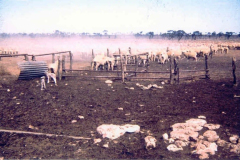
[(77, 106)]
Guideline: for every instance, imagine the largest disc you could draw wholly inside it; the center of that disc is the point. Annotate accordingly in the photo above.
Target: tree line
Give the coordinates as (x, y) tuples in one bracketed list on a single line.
[(170, 34)]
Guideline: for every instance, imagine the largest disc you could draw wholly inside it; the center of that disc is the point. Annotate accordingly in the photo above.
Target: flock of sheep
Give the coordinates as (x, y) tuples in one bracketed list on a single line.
[(161, 54), (8, 51)]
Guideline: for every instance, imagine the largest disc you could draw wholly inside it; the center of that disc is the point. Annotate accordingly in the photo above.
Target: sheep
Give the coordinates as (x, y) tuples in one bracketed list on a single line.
[(51, 75), (158, 55), (43, 85), (52, 71), (163, 57), (125, 54), (53, 67), (190, 54), (205, 51), (102, 60), (212, 49), (152, 55), (220, 49), (142, 60), (225, 50), (177, 53)]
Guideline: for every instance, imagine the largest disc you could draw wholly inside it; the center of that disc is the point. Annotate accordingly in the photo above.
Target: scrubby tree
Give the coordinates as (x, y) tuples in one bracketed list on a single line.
[(196, 34), (180, 34), (220, 34), (171, 34), (228, 34), (105, 32), (150, 34), (4, 35), (139, 34)]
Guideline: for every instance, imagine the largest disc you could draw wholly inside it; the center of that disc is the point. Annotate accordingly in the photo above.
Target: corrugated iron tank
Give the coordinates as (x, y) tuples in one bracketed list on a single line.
[(32, 69)]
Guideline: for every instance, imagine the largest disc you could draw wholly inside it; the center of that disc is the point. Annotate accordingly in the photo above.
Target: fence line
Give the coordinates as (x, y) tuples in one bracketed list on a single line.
[(174, 72)]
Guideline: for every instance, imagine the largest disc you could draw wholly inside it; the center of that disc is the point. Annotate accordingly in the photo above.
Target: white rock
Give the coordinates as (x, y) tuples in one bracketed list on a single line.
[(111, 131), (235, 148), (156, 86), (213, 147), (81, 117), (211, 136), (165, 136), (221, 142), (212, 126), (234, 138), (179, 143), (171, 140), (150, 142), (106, 145), (200, 122), (74, 121), (98, 140), (174, 148), (131, 128), (108, 82), (183, 134), (186, 126)]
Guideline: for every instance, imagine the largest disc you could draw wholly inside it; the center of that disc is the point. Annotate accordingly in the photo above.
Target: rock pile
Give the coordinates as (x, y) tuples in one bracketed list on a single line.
[(184, 134)]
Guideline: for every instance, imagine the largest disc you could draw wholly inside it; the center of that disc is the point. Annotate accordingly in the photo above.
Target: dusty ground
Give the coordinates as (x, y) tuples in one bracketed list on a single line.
[(25, 107)]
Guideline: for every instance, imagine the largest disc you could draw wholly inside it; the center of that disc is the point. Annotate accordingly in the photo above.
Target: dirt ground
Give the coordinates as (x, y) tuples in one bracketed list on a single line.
[(24, 107)]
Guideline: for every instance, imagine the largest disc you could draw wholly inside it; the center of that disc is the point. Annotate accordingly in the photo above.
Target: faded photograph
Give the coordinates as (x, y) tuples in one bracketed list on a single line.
[(119, 79)]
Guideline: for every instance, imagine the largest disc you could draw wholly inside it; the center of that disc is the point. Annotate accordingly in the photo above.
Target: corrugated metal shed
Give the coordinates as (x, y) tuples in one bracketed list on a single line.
[(32, 69)]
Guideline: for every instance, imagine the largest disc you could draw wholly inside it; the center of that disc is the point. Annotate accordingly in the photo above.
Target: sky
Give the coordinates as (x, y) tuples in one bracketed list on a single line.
[(119, 16)]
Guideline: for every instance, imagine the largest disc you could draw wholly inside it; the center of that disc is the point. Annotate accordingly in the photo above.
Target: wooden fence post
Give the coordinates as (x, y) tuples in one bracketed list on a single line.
[(92, 59), (176, 71), (33, 58), (147, 62), (63, 67), (171, 77), (178, 74), (206, 67), (121, 62), (26, 57), (71, 60), (233, 70), (53, 58), (58, 70), (107, 52), (93, 54), (136, 65)]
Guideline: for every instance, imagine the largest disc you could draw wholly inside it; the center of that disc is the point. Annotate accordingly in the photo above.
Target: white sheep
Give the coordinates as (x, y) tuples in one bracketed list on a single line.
[(205, 50), (53, 67), (102, 60), (51, 75), (163, 57), (190, 54), (220, 49), (142, 59)]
